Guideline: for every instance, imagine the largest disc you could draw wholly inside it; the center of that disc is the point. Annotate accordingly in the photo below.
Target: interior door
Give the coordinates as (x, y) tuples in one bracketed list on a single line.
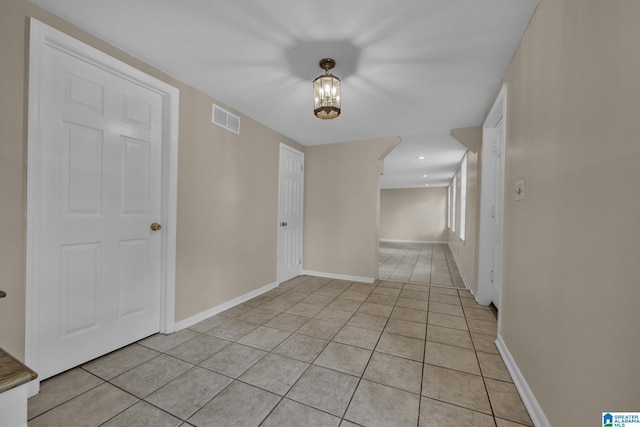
[(99, 261), (492, 203), (497, 210), (290, 213)]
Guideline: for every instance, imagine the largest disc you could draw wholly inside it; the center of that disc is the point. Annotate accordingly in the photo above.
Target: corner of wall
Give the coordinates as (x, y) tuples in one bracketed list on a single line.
[(342, 191), (470, 137)]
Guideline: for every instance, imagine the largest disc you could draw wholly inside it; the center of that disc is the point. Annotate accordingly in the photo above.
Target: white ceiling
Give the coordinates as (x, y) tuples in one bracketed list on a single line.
[(409, 68)]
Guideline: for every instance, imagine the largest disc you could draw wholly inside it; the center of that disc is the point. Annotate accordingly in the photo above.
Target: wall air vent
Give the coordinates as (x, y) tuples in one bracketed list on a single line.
[(225, 119)]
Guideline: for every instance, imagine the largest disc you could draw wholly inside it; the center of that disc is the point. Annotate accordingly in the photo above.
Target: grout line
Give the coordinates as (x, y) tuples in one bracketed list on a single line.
[(484, 382), (317, 287), (424, 355), (364, 370), (74, 397)]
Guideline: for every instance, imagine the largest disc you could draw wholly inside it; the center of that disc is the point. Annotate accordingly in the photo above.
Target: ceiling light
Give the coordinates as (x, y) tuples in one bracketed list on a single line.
[(326, 92), (425, 175), (420, 157), (426, 185)]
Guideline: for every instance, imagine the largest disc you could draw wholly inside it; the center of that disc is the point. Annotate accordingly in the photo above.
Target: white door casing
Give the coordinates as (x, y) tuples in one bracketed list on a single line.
[(290, 211), (102, 163), (492, 203), (495, 276)]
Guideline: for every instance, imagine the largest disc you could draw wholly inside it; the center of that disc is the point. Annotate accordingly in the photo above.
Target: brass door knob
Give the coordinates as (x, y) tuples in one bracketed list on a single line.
[(284, 224), (155, 226)]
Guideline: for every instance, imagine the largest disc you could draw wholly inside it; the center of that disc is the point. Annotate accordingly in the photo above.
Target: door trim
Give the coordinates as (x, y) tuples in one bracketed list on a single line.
[(498, 111), (41, 36), (286, 147)]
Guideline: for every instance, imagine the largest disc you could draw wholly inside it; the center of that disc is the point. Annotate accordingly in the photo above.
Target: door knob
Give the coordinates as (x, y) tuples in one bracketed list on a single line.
[(155, 226), (3, 294), (284, 224)]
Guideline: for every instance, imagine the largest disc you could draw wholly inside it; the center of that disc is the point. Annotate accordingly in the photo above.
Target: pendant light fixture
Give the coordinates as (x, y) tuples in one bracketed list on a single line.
[(326, 92)]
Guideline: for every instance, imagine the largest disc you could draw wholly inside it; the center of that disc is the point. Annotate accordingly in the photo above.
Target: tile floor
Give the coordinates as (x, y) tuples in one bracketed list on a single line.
[(429, 263), (312, 352)]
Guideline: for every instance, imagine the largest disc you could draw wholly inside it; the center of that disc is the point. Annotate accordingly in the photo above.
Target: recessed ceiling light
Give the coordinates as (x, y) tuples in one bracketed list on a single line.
[(426, 185), (425, 175), (420, 157)]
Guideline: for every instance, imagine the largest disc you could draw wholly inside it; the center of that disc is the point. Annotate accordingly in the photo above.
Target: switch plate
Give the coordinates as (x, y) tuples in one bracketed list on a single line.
[(519, 190)]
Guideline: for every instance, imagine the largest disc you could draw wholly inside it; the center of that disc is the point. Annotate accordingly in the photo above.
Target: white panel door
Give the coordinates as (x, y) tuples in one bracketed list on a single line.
[(99, 262), (290, 213)]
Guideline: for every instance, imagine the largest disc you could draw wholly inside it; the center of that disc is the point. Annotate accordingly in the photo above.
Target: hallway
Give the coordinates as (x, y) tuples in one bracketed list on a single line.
[(314, 352), (414, 262)]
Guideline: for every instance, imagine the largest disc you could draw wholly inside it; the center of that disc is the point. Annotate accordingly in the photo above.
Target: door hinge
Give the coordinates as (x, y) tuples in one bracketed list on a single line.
[(491, 276), (300, 261)]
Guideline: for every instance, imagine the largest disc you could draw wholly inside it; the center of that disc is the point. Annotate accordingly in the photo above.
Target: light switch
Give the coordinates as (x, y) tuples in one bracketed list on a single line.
[(519, 190)]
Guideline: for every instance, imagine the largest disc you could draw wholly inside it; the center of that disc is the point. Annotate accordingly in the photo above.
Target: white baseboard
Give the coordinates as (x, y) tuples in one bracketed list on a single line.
[(412, 241), (530, 402), (339, 276), (464, 278), (222, 307)]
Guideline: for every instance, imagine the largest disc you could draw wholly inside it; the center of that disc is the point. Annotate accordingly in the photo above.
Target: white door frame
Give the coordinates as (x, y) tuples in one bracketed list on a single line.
[(298, 152), (487, 189), (42, 36)]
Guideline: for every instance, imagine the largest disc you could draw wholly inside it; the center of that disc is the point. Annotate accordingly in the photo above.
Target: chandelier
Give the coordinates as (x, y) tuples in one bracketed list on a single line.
[(326, 92)]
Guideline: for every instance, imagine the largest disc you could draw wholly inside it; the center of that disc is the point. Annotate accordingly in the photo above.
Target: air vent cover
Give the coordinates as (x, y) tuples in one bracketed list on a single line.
[(225, 119)]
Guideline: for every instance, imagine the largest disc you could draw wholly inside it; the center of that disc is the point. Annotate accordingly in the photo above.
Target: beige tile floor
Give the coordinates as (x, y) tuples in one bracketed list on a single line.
[(428, 263), (312, 352)]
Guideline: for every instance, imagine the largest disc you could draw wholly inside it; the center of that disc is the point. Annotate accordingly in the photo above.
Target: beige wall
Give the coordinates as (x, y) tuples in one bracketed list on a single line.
[(418, 214), (12, 176), (571, 288), (227, 207), (341, 207), (465, 252), (227, 188), (469, 137)]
